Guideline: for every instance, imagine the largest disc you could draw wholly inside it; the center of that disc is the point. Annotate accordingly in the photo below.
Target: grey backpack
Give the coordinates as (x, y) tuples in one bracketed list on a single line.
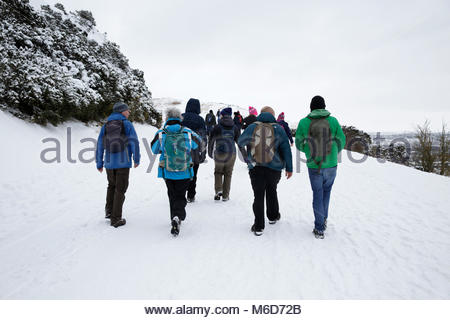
[(319, 140)]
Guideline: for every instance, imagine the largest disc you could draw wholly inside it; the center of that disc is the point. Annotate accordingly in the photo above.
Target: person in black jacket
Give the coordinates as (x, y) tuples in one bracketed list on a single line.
[(238, 120), (193, 121), (285, 126), (218, 115), (210, 122), (222, 149), (253, 113)]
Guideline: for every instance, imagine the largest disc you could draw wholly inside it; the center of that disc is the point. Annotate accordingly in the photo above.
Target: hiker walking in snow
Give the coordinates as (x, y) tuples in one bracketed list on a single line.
[(218, 115), (222, 149), (238, 120), (175, 142), (193, 121), (269, 154), (210, 121), (285, 126), (253, 113), (119, 139), (321, 138)]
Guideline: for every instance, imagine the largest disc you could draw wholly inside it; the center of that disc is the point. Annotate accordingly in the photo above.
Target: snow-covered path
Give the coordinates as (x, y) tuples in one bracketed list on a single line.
[(387, 238)]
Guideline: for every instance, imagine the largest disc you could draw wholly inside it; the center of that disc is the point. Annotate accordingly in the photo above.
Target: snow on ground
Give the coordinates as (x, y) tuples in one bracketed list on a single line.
[(387, 237)]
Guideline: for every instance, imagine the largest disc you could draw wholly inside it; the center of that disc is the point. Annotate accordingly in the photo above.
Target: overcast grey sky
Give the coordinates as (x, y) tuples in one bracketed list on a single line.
[(380, 65)]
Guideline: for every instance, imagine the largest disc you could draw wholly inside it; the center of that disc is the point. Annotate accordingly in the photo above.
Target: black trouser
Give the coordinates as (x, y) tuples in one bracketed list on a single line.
[(264, 181), (115, 195), (176, 190), (193, 183)]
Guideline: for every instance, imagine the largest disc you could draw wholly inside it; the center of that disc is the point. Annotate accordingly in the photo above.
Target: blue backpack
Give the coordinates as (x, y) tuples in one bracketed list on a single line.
[(176, 149)]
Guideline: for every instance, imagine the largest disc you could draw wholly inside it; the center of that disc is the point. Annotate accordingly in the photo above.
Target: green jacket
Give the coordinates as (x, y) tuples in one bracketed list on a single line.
[(336, 132)]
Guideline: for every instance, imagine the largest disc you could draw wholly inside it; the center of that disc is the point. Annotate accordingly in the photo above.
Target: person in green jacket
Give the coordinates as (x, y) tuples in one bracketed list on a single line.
[(321, 138)]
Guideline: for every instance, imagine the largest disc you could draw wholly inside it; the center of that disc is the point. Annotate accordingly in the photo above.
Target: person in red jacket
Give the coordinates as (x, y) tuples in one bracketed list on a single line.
[(238, 120)]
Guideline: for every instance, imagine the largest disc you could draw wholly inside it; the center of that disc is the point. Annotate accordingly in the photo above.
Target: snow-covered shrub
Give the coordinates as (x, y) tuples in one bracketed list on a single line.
[(356, 140), (56, 66)]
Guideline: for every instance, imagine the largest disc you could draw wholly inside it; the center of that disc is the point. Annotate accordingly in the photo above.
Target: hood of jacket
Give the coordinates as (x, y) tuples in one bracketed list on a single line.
[(193, 105), (172, 124), (319, 113), (266, 117), (226, 121), (116, 116)]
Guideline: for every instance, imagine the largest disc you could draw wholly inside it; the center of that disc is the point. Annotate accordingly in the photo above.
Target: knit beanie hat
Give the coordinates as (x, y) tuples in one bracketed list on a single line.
[(120, 107), (226, 112), (317, 103), (252, 111), (281, 116)]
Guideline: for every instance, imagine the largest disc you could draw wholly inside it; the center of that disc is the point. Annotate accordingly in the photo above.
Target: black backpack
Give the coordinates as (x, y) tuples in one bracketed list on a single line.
[(319, 140), (224, 144), (209, 119), (115, 139)]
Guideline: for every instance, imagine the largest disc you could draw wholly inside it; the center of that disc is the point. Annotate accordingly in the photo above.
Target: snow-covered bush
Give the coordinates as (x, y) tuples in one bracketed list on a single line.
[(356, 140), (56, 66)]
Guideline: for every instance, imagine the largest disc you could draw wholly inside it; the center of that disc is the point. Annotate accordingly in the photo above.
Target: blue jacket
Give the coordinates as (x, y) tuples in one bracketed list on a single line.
[(120, 159), (283, 154), (173, 125)]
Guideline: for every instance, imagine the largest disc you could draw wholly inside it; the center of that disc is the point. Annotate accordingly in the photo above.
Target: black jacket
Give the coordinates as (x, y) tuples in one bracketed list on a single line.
[(210, 119), (286, 129), (225, 123), (193, 121), (248, 121)]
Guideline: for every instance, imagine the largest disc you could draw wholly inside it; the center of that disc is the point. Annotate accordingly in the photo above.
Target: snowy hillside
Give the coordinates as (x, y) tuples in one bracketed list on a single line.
[(56, 65), (161, 103), (387, 237)]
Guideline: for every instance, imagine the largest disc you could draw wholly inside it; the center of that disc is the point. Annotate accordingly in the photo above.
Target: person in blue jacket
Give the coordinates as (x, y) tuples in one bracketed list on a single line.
[(264, 176), (177, 180), (119, 139), (193, 121)]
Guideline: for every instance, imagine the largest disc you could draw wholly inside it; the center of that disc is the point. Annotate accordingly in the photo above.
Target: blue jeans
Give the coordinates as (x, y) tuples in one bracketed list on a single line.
[(321, 184)]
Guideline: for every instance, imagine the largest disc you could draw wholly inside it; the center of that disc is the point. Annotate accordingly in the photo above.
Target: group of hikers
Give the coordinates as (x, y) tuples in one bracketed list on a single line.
[(263, 141)]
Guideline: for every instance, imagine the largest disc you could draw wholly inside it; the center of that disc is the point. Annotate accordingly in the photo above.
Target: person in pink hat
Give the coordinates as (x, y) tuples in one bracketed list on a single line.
[(253, 113)]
